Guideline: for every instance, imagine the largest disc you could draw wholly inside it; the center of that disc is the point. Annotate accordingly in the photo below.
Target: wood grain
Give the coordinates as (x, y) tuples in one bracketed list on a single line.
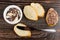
[(6, 30)]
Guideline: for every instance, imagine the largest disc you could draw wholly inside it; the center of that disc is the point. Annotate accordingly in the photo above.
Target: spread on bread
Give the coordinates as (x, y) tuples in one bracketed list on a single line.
[(52, 17)]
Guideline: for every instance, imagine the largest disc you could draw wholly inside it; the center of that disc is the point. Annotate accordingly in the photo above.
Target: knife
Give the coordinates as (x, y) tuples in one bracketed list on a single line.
[(46, 30), (49, 30)]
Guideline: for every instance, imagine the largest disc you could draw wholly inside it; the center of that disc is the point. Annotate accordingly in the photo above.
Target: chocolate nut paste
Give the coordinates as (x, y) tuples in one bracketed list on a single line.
[(13, 13)]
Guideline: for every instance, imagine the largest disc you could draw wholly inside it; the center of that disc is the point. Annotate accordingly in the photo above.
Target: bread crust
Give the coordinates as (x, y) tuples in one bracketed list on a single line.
[(22, 33)]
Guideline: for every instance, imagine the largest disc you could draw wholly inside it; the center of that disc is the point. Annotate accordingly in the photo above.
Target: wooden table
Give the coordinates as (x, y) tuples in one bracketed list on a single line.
[(6, 30)]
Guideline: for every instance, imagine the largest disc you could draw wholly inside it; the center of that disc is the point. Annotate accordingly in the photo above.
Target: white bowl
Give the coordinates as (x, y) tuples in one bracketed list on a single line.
[(7, 9)]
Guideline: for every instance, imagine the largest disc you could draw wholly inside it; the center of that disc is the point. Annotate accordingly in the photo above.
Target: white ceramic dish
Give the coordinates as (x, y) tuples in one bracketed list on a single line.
[(7, 9)]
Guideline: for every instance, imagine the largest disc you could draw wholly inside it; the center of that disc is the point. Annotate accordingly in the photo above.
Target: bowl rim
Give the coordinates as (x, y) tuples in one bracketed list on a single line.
[(6, 10)]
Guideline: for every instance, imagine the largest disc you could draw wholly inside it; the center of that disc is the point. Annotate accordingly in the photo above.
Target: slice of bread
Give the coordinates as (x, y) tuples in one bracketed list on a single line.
[(52, 17), (20, 32), (30, 13), (39, 9)]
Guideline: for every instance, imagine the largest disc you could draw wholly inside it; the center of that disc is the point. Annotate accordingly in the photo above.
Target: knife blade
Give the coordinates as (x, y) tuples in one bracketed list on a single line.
[(49, 30)]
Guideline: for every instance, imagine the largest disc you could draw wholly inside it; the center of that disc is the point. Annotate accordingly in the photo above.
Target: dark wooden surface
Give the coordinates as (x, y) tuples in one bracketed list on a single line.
[(7, 32)]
